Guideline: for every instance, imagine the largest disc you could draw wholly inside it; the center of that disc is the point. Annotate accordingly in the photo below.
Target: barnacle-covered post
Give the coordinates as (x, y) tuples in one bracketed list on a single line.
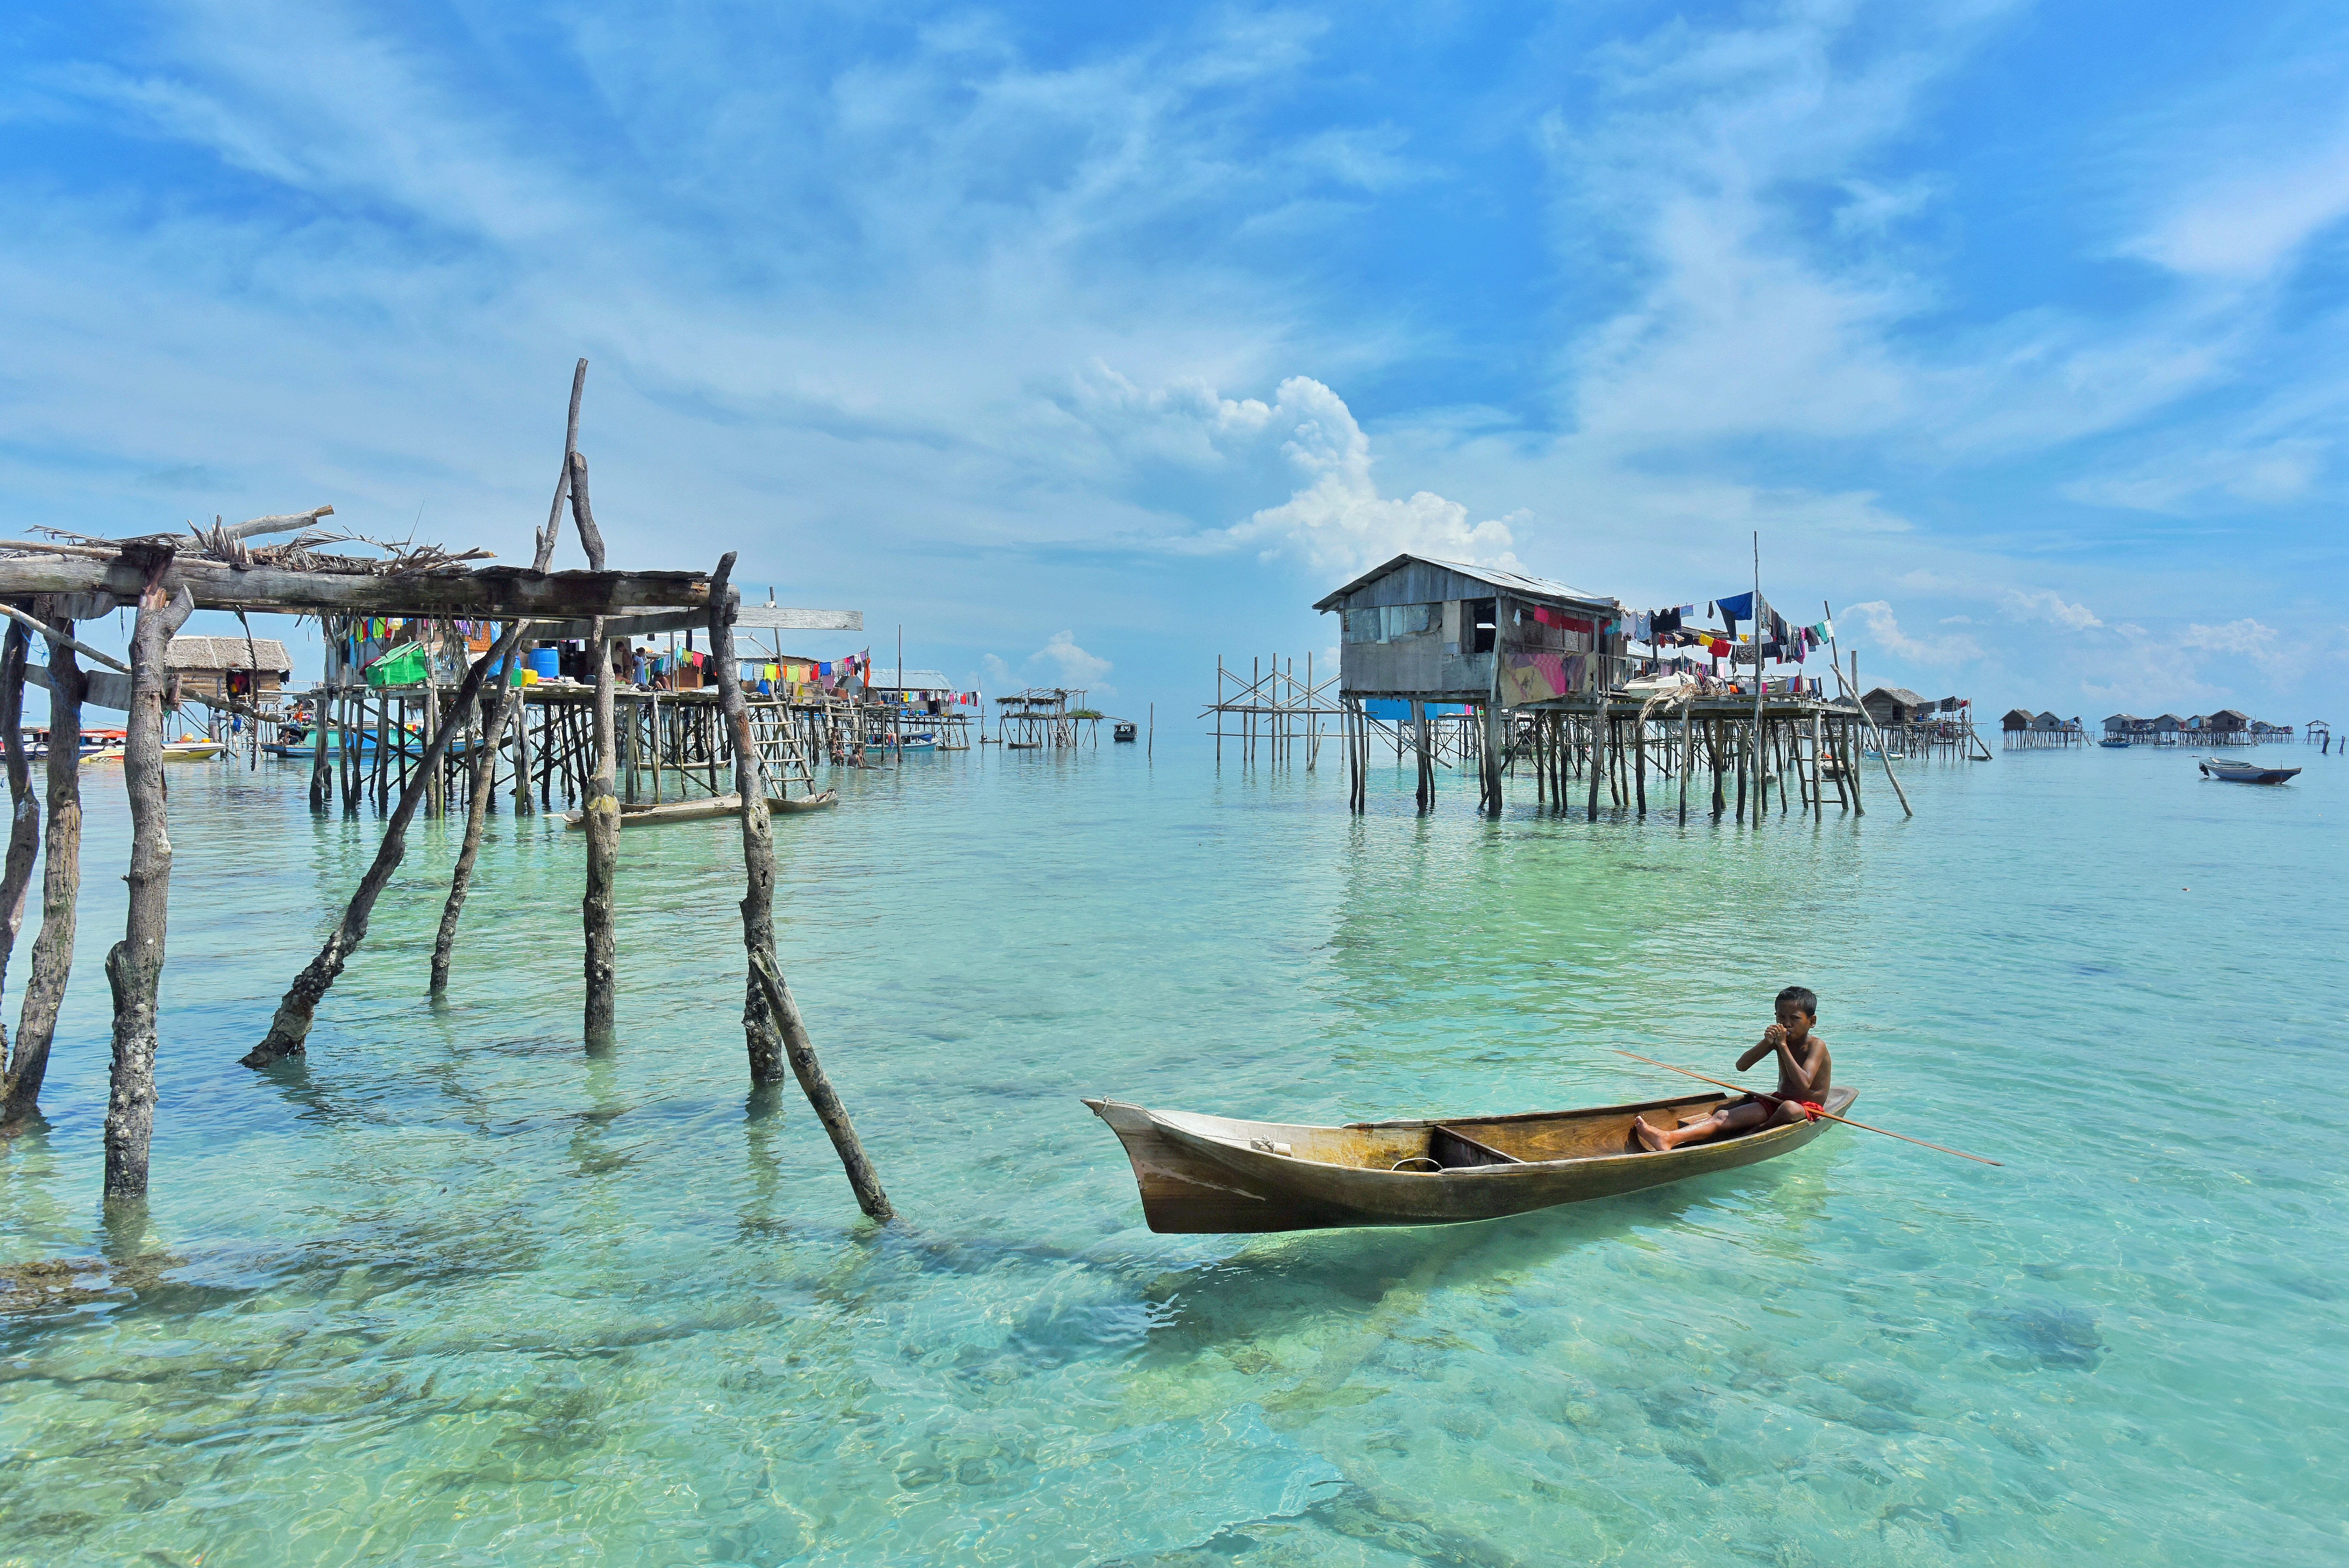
[(52, 964), (134, 966)]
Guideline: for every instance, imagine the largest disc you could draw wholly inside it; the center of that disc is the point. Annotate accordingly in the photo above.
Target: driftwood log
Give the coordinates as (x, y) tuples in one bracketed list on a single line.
[(52, 962), (134, 966), (24, 809), (816, 1085), (289, 1030)]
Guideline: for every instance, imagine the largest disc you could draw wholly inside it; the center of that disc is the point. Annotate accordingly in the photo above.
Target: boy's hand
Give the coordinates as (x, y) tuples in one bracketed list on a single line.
[(1774, 1035)]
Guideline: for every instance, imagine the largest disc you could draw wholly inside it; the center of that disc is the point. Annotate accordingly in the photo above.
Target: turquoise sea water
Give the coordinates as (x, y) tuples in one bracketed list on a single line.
[(453, 1293)]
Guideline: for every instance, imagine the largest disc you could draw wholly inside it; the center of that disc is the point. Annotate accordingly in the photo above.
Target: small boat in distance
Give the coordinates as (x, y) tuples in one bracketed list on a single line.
[(191, 749), (1124, 730), (2243, 772), (2115, 742), (1201, 1174)]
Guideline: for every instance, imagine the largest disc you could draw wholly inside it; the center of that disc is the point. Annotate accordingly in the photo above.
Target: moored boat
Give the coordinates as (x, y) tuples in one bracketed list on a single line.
[(191, 749), (646, 813), (2243, 772), (2115, 742), (1221, 1175)]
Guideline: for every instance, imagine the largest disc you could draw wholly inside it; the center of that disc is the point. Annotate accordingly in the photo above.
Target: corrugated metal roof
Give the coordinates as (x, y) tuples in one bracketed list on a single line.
[(886, 679), (1517, 583), (227, 653)]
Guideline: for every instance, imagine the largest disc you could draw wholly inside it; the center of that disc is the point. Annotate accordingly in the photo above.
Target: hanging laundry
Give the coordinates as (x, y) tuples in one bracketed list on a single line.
[(1663, 620), (1737, 607)]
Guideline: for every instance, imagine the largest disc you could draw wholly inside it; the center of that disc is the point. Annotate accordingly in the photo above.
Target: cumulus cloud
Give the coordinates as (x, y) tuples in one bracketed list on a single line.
[(1059, 662), (1306, 441), (1876, 614), (2248, 638), (2048, 605)]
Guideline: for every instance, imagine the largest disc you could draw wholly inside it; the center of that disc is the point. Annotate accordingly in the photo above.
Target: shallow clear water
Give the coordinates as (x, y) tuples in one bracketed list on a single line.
[(453, 1293)]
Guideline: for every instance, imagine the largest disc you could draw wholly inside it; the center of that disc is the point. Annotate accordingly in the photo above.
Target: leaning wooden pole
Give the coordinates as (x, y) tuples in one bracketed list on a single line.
[(762, 1033), (52, 962), (289, 1030), (493, 729), (134, 966), (772, 1027), (24, 810), (477, 806)]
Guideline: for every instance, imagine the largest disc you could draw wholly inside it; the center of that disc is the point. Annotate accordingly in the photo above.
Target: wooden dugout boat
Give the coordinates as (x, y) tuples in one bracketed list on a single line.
[(1219, 1175), (644, 813)]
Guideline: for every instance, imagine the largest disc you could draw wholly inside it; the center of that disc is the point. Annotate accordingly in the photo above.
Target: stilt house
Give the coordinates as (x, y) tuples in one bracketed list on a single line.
[(1428, 630)]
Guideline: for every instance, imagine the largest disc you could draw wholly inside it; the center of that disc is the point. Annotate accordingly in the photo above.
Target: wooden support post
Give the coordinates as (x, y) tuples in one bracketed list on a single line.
[(602, 807), (1818, 742), (1640, 765), (1688, 753), (24, 810), (1426, 794), (1598, 763), (52, 962), (289, 1030), (134, 966)]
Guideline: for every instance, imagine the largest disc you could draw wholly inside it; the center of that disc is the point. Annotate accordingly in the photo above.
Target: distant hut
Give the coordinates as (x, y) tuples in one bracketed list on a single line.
[(2016, 719), (2229, 726), (249, 670), (1897, 705), (923, 690), (2122, 724)]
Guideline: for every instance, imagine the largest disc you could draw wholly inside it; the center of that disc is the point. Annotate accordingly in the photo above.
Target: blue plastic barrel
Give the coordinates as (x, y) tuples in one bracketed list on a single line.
[(546, 664)]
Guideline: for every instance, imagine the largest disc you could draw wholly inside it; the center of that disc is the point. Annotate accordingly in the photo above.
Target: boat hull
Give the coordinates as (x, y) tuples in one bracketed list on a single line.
[(646, 816), (1198, 1174)]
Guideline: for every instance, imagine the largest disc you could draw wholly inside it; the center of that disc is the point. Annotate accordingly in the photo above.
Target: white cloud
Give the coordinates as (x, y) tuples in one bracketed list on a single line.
[(2244, 226), (2248, 638), (2267, 475), (1955, 649), (2048, 605), (1059, 662), (1307, 442)]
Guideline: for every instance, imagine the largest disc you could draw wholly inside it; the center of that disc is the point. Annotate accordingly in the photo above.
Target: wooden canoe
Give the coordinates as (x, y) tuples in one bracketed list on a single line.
[(1219, 1175), (644, 814)]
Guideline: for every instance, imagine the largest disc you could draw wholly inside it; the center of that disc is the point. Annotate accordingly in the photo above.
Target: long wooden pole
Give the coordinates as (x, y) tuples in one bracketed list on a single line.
[(134, 966), (1807, 1110), (602, 807)]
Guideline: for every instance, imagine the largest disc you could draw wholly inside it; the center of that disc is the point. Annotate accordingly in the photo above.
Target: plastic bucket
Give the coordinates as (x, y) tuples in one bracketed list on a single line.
[(546, 664)]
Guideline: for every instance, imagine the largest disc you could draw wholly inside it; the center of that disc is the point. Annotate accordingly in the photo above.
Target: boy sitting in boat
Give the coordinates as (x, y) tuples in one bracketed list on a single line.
[(1803, 1068)]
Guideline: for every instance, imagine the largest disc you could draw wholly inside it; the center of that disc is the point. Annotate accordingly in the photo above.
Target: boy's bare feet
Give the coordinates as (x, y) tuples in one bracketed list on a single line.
[(1651, 1138)]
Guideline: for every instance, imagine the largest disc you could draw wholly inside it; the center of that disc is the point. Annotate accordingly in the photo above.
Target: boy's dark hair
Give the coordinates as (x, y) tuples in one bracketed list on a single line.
[(1803, 998)]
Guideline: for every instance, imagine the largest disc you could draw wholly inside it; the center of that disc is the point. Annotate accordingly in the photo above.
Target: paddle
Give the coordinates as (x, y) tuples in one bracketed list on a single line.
[(1807, 1110)]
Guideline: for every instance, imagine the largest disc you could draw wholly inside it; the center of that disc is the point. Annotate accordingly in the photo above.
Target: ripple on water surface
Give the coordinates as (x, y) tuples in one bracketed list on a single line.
[(453, 1292)]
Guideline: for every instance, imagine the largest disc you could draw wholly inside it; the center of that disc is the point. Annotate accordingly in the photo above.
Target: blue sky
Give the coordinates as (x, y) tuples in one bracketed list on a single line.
[(1092, 347)]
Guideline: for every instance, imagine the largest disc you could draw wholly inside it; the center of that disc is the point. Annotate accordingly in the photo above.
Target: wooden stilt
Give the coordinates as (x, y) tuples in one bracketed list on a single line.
[(24, 809), (289, 1030), (134, 966), (52, 962), (603, 806)]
